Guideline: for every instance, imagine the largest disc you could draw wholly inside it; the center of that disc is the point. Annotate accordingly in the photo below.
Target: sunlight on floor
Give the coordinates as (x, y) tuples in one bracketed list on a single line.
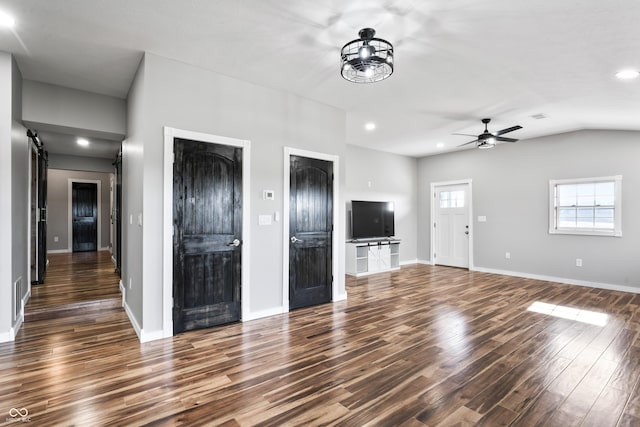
[(584, 316)]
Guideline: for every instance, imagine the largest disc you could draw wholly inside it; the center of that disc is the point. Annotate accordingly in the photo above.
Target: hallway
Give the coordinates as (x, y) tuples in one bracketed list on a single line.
[(74, 278)]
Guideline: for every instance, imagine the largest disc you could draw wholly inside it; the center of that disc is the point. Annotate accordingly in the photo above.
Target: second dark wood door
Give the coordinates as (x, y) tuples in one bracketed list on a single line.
[(311, 229), (207, 198), (84, 210)]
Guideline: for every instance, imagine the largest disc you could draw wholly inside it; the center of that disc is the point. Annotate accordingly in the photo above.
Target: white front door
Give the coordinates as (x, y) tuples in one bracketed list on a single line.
[(451, 226)]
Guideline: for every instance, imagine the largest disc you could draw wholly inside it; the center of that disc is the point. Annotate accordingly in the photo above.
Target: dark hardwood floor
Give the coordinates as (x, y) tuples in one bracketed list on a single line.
[(420, 346)]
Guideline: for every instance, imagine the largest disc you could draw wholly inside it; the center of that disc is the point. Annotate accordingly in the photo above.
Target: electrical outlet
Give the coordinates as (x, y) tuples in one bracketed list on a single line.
[(129, 282), (56, 239), (507, 255), (578, 262)]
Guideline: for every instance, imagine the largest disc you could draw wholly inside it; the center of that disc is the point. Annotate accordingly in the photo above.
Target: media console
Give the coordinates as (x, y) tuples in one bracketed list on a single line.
[(368, 256)]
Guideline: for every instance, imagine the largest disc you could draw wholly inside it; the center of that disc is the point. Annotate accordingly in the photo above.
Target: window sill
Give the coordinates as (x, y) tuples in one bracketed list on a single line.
[(587, 233)]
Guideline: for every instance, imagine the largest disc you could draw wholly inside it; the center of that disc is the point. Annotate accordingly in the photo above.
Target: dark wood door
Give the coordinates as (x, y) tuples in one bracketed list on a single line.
[(117, 212), (84, 214), (43, 169), (310, 228), (207, 212)]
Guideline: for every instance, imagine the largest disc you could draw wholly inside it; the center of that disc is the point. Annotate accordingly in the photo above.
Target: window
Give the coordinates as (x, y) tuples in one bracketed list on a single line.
[(588, 206), (452, 199)]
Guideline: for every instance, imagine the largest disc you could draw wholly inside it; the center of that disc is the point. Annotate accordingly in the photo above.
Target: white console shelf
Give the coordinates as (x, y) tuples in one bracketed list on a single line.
[(372, 256)]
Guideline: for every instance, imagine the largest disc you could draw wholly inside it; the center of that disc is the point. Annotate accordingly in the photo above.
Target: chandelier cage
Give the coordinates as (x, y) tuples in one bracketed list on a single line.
[(367, 59)]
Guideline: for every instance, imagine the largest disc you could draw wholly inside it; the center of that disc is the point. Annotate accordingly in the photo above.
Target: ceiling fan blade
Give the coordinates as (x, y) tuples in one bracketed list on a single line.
[(503, 139), (467, 143), (463, 134), (507, 130)]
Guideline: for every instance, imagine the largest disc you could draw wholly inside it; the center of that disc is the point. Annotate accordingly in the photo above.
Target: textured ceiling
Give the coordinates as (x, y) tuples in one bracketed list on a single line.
[(457, 61)]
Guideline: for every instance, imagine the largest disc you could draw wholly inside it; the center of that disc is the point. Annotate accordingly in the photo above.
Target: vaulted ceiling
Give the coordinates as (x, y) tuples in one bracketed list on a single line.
[(456, 61)]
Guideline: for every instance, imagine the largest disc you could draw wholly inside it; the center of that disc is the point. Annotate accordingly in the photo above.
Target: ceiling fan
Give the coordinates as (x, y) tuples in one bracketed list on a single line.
[(487, 139)]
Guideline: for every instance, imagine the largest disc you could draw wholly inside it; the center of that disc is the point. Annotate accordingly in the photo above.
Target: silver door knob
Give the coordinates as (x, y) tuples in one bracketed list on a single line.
[(294, 239), (235, 242)]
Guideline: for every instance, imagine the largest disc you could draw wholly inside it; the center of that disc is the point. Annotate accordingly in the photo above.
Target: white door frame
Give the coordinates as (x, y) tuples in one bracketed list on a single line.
[(434, 186), (288, 152), (70, 182), (167, 238)]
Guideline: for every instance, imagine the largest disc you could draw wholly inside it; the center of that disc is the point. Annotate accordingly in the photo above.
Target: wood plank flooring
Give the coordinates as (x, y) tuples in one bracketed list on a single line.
[(425, 345)]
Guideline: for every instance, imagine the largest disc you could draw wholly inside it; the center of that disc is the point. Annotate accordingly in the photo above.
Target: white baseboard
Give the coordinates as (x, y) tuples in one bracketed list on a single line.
[(106, 248), (10, 335), (607, 286), (18, 324), (409, 262), (340, 297), (423, 261), (132, 319), (143, 336), (59, 251), (151, 336), (7, 336), (264, 313), (113, 260)]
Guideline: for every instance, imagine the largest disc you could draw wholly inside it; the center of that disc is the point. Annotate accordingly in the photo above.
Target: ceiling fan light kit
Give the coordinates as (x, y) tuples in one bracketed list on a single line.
[(488, 140), (367, 59)]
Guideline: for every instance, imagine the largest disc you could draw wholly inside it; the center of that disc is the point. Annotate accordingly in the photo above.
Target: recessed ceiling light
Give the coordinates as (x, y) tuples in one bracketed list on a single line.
[(83, 142), (627, 74), (440, 144), (370, 126), (6, 20)]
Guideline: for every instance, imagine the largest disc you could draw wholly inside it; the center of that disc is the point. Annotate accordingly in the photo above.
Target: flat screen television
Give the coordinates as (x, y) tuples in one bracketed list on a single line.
[(371, 219)]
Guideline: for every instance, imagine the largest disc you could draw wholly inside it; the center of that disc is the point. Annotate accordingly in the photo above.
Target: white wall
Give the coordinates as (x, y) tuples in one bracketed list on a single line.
[(510, 188), (79, 163), (132, 193), (391, 178), (5, 197), (170, 93), (13, 198), (46, 104), (20, 211)]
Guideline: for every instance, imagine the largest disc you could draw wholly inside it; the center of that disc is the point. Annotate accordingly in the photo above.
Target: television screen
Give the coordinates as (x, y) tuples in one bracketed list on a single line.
[(372, 219)]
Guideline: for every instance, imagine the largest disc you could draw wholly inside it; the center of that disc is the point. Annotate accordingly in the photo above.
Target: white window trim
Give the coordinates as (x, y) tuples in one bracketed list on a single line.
[(617, 230)]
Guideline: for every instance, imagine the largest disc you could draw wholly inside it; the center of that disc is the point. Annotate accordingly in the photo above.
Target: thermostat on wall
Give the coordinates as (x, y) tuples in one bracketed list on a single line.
[(268, 194)]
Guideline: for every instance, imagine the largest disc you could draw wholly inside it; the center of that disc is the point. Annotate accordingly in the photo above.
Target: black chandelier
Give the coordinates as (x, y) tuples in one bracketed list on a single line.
[(367, 59)]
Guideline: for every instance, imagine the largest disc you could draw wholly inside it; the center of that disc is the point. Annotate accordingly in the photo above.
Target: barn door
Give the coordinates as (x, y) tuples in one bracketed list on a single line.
[(117, 212), (43, 170), (311, 229), (207, 212)]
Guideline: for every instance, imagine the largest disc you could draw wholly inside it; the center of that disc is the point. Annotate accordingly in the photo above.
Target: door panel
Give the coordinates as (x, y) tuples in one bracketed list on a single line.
[(34, 218), (43, 169), (207, 219), (452, 225), (84, 208), (311, 228), (117, 213)]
